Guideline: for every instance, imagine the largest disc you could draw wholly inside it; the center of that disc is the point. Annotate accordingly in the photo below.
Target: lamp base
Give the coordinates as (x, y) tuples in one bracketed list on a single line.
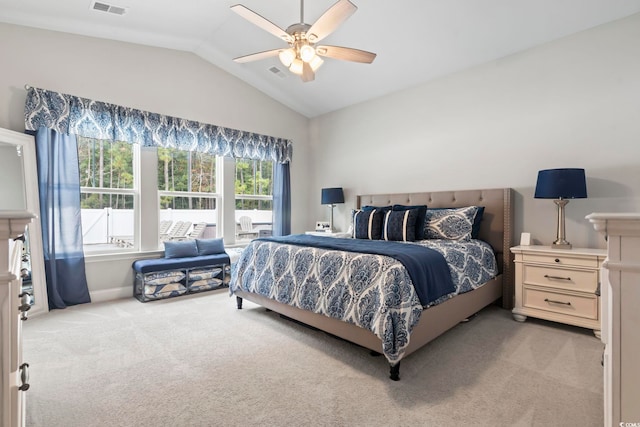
[(330, 230), (561, 242)]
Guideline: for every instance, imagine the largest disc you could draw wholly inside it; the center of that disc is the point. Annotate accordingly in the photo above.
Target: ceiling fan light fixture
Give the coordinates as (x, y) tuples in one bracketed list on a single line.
[(307, 53), (315, 63), (302, 56), (296, 66), (287, 56)]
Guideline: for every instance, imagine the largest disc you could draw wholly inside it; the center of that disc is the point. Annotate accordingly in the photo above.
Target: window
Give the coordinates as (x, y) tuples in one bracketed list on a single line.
[(254, 198), (187, 190), (108, 193), (189, 196)]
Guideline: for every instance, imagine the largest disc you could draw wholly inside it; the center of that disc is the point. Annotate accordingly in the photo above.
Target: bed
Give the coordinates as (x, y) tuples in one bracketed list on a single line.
[(394, 331)]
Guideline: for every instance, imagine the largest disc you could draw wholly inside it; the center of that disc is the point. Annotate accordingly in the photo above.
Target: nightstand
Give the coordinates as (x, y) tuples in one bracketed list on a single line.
[(561, 285), (340, 234)]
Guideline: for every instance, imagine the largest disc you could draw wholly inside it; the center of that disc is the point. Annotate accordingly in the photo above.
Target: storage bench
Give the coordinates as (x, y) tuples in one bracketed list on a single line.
[(169, 277)]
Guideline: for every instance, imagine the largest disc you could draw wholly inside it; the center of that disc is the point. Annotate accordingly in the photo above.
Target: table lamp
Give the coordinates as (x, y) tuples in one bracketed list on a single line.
[(561, 184), (331, 196)]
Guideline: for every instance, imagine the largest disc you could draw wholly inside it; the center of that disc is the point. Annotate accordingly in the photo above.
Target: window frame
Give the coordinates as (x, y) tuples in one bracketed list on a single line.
[(134, 191), (217, 196), (263, 197)]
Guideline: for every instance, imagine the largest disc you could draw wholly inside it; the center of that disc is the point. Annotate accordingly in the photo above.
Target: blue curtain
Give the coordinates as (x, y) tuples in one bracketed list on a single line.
[(281, 200), (59, 185)]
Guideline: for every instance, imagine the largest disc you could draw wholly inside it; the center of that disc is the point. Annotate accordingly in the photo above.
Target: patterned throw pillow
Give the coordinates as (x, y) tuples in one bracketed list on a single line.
[(164, 277), (367, 224), (204, 273), (400, 225), (450, 224)]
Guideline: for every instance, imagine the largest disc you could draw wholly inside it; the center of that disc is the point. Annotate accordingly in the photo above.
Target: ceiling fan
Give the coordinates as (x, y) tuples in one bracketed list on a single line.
[(303, 57)]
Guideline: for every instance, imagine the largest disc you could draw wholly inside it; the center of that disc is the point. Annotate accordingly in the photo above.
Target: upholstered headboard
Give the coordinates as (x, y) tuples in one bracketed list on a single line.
[(495, 228)]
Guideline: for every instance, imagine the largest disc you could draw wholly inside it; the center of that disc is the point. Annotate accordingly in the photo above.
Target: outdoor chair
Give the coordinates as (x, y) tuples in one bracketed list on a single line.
[(198, 230), (246, 228), (180, 230)]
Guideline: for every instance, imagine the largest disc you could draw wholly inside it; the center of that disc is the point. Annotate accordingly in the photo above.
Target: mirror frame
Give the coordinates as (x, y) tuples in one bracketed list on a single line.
[(27, 145)]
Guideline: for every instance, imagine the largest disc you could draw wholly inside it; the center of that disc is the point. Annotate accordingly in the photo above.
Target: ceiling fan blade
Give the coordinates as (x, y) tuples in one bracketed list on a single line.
[(257, 56), (307, 73), (330, 20), (261, 22), (346, 54)]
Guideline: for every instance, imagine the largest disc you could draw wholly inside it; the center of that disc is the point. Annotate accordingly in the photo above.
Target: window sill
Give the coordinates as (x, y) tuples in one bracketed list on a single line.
[(118, 256)]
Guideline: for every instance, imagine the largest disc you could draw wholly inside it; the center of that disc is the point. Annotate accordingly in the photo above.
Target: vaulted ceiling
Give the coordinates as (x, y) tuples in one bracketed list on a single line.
[(415, 40)]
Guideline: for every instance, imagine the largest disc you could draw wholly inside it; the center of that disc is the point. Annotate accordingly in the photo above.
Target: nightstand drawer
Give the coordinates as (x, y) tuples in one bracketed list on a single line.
[(561, 260), (579, 280), (574, 305)]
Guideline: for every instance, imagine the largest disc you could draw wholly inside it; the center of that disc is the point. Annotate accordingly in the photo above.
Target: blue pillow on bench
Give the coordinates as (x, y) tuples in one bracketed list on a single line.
[(180, 249), (210, 246)]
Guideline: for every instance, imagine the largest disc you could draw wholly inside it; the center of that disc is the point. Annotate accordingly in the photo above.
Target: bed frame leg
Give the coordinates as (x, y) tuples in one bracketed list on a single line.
[(394, 372), (239, 303)]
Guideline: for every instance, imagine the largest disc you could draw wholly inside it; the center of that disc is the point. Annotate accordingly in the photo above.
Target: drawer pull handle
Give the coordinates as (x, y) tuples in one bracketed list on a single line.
[(26, 301), (557, 260), (557, 277), (24, 377), (556, 302)]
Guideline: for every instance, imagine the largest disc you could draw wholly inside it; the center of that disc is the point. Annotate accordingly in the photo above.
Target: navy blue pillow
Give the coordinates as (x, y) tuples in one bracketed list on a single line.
[(475, 229), (400, 225), (369, 208), (421, 217), (180, 249), (210, 246), (367, 224)]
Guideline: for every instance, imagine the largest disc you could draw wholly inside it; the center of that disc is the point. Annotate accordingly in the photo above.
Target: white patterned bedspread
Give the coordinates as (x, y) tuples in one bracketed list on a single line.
[(373, 292)]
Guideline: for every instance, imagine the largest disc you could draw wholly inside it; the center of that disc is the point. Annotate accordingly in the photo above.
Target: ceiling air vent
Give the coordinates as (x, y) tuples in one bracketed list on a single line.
[(278, 72), (105, 7)]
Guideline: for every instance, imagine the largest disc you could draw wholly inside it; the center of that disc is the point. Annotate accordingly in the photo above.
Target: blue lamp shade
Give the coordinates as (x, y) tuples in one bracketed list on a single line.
[(561, 184), (332, 196)]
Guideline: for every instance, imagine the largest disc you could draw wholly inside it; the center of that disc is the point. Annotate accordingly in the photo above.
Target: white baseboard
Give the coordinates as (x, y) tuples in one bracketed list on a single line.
[(111, 294)]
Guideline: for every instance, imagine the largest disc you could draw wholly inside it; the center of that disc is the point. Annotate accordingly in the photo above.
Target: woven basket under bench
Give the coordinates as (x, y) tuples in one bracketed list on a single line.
[(171, 277)]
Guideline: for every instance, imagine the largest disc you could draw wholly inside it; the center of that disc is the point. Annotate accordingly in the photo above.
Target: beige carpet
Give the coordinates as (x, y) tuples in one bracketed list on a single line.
[(198, 361)]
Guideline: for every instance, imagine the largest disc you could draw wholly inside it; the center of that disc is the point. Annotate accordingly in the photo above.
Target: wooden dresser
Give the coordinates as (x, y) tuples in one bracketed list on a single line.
[(14, 373), (561, 285), (621, 317)]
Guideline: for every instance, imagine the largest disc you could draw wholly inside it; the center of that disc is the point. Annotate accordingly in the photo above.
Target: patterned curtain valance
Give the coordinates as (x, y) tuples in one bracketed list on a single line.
[(69, 114)]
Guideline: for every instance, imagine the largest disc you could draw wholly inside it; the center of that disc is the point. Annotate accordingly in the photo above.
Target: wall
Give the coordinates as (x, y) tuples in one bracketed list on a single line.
[(160, 80), (570, 103)]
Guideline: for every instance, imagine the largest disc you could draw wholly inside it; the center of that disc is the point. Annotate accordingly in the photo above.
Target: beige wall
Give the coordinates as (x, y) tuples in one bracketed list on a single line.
[(153, 79), (569, 103)]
